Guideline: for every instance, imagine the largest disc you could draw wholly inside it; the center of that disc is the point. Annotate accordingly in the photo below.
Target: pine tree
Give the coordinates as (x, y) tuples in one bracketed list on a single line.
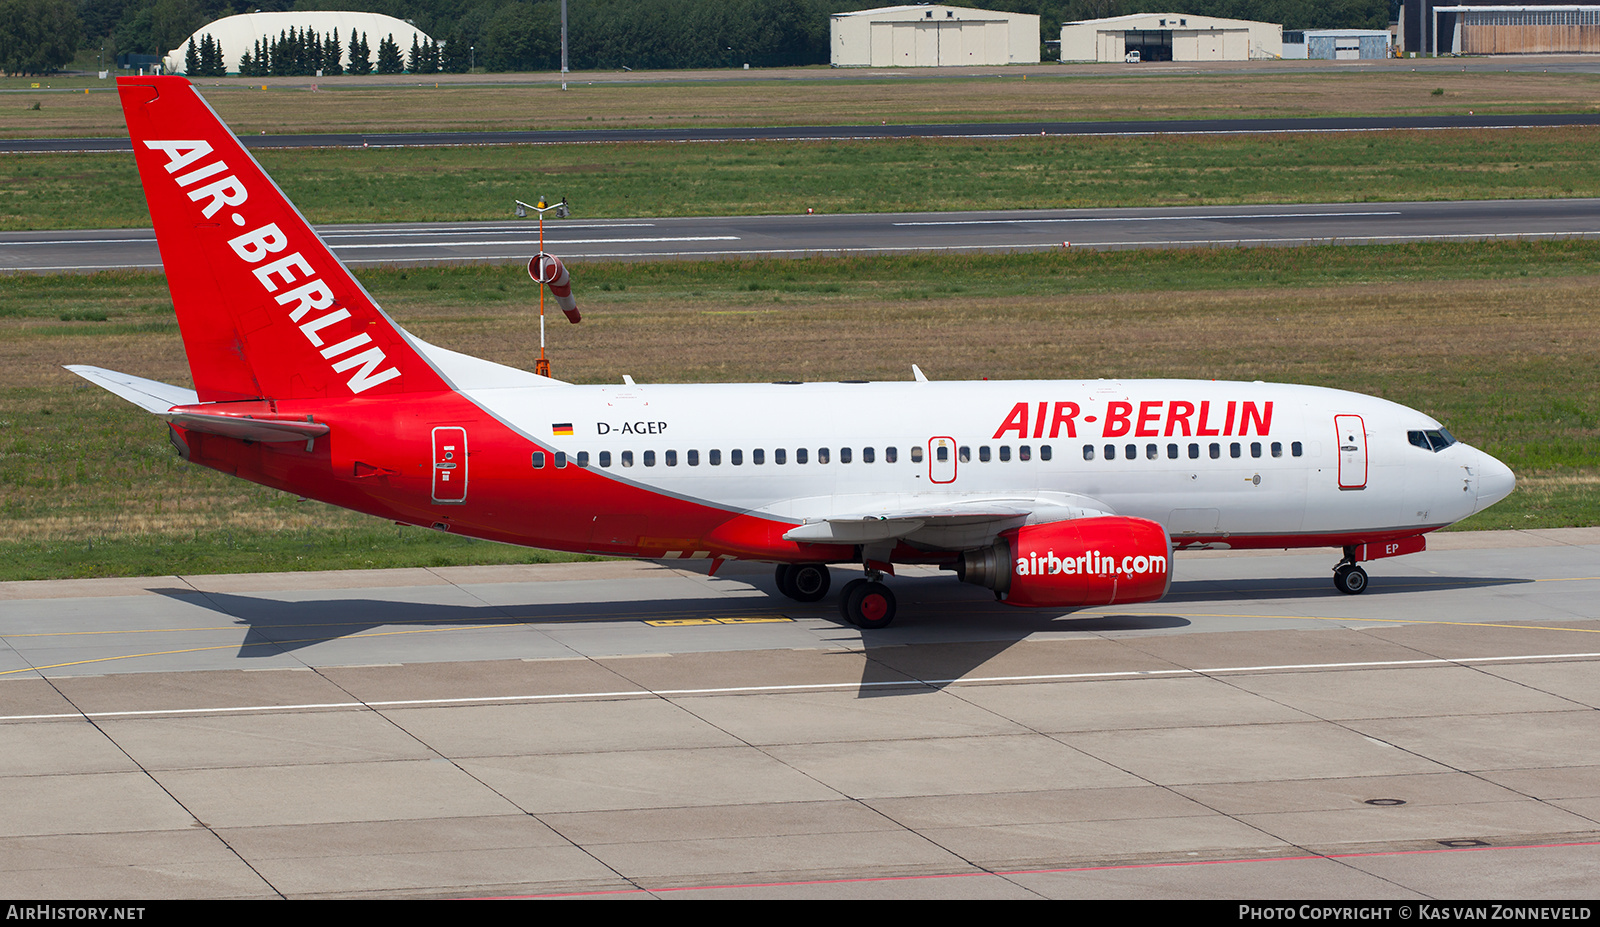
[(389, 56), (414, 61), (360, 56), (332, 51), (191, 60)]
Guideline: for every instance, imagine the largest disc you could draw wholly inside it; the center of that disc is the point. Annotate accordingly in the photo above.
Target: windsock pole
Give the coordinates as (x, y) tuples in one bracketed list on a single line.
[(542, 368), (548, 271)]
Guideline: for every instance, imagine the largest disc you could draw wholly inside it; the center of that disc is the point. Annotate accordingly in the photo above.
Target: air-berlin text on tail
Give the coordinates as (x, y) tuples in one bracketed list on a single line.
[(311, 295), (1155, 418)]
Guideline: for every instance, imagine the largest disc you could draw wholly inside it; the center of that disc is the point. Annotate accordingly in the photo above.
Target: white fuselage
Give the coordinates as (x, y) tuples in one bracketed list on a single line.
[(1214, 462)]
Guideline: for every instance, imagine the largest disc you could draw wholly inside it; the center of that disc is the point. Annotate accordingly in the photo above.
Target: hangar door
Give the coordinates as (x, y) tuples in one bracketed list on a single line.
[(1151, 44), (931, 44)]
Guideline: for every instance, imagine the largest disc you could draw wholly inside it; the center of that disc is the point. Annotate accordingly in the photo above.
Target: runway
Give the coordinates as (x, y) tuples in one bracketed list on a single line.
[(849, 132), (882, 233), (633, 730)]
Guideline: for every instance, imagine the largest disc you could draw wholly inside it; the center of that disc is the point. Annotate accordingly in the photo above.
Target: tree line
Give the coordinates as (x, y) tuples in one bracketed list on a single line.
[(38, 36)]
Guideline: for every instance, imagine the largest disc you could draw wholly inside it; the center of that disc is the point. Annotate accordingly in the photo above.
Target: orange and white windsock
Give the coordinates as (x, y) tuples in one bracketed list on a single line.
[(548, 270)]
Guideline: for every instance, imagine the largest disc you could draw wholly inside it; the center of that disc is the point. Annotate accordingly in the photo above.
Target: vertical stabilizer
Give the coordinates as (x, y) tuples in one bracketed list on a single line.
[(266, 310)]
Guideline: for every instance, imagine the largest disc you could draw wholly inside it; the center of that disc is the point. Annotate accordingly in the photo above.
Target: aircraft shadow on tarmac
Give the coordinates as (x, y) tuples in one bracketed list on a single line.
[(943, 633)]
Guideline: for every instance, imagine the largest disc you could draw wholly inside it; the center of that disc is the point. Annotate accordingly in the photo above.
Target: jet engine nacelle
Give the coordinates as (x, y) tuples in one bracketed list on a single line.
[(1083, 561), (547, 269)]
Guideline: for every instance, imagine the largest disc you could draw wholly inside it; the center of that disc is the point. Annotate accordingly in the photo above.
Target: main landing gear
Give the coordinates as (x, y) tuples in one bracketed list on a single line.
[(1349, 578), (866, 603)]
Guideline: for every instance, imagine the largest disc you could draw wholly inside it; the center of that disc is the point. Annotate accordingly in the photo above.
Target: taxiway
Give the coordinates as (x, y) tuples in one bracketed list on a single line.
[(633, 729)]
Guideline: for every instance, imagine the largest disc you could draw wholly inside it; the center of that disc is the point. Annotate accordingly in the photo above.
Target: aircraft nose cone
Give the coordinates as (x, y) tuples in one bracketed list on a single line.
[(1495, 482)]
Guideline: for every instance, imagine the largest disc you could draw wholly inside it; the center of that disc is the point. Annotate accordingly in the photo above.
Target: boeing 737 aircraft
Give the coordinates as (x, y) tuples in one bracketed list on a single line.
[(1051, 493)]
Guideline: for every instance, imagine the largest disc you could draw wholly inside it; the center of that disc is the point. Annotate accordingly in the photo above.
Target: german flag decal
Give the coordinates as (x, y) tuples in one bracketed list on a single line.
[(561, 429)]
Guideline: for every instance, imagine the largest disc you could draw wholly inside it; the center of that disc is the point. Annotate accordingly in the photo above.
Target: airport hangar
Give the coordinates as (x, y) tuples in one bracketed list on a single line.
[(926, 36), (239, 34), (1170, 37), (1474, 27)]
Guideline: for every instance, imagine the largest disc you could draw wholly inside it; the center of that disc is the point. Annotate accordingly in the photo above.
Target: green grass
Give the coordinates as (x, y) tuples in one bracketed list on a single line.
[(1494, 339), (53, 191)]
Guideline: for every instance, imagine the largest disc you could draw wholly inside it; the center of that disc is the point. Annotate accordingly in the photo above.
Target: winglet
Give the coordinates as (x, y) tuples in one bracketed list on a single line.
[(917, 372)]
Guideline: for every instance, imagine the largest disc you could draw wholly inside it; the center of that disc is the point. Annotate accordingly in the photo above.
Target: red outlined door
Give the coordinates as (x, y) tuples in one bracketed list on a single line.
[(942, 460), (450, 464), (1351, 438)]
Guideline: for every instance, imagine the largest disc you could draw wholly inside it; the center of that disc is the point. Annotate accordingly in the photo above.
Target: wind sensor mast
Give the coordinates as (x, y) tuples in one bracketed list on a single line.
[(547, 270)]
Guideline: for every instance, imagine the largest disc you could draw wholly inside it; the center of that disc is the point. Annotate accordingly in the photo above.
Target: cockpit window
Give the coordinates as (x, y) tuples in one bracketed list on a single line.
[(1435, 441)]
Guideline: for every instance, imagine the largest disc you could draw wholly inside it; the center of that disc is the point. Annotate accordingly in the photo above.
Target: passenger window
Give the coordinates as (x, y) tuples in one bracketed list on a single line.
[(1295, 448), (538, 460), (735, 457), (983, 454), (1111, 452), (1216, 450), (561, 459), (1277, 448), (964, 455), (943, 453), (844, 455), (867, 455), (1088, 452), (916, 454), (822, 455), (1234, 450), (605, 458), (1005, 452), (583, 458), (1172, 452), (649, 458), (780, 456), (1044, 452), (1024, 452), (800, 455), (758, 457), (672, 458), (1151, 452), (1131, 452), (627, 458), (1255, 448), (891, 455), (1194, 452)]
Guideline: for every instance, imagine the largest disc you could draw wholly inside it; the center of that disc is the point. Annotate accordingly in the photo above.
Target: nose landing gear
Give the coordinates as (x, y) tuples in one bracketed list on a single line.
[(1349, 578)]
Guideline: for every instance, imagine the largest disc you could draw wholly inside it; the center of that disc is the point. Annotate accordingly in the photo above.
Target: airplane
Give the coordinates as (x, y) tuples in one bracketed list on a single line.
[(1053, 494)]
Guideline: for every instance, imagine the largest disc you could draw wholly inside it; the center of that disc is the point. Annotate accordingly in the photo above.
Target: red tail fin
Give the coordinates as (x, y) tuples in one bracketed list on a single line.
[(266, 310)]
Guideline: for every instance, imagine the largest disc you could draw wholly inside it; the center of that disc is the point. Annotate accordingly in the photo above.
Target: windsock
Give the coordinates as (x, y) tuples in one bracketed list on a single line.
[(548, 270)]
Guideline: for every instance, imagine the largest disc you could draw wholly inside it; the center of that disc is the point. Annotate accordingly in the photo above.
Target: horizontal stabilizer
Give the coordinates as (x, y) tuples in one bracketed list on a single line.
[(149, 395), (179, 406)]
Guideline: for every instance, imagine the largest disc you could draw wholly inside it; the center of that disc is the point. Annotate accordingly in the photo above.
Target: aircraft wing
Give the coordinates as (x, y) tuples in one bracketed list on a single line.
[(955, 526)]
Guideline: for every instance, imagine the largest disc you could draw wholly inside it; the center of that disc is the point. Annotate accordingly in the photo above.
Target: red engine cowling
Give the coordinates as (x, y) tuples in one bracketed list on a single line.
[(1084, 561)]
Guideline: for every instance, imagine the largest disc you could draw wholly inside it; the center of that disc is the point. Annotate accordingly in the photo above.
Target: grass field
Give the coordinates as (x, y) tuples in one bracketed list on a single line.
[(807, 97), (743, 178), (1493, 339)]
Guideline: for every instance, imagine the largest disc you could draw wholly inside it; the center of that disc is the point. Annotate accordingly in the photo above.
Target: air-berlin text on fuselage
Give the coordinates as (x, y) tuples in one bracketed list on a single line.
[(1155, 418), (310, 296)]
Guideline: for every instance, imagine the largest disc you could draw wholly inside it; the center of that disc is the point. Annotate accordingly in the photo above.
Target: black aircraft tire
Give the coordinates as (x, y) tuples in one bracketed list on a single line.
[(1350, 579), (808, 582), (872, 607)]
